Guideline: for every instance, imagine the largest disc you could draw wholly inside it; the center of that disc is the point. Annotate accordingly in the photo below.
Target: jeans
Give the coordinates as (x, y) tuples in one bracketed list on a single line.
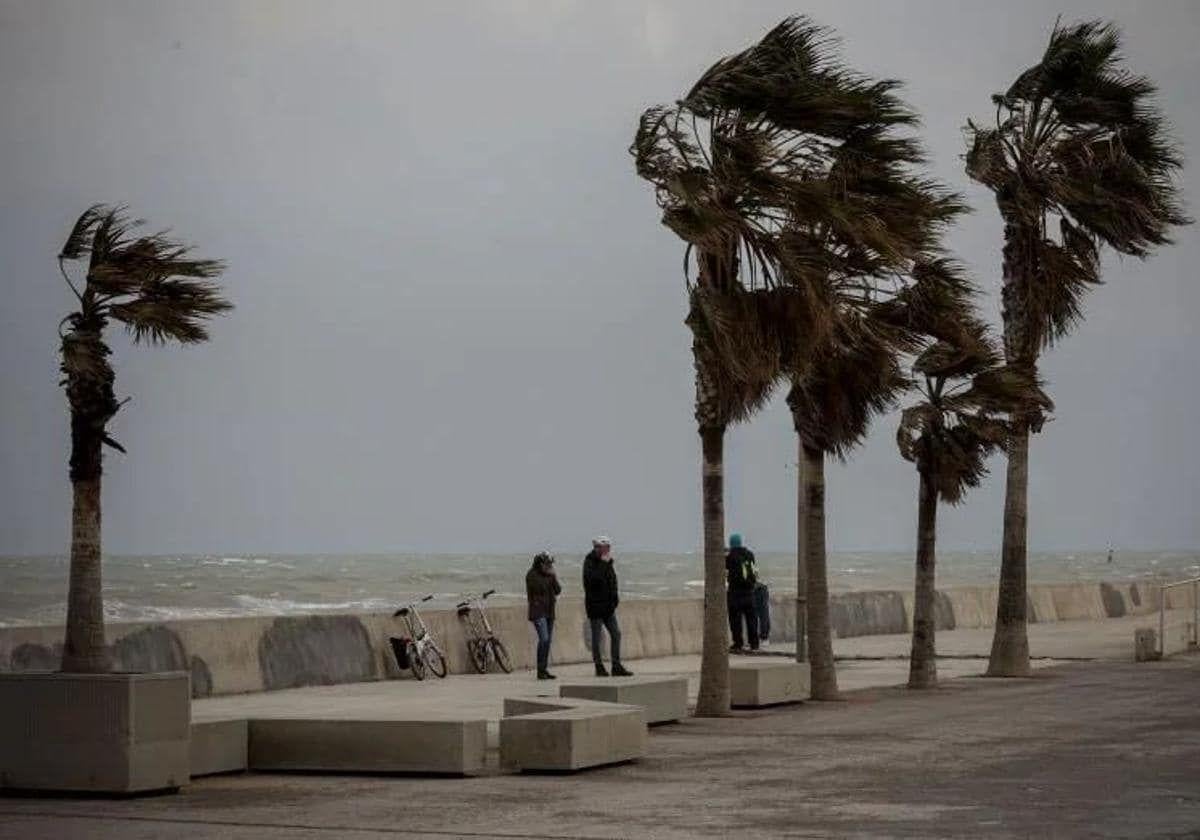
[(741, 607), (614, 638), (544, 627)]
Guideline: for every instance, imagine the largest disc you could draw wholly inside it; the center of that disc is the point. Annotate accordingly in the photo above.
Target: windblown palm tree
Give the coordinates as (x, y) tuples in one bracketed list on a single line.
[(731, 163), (966, 393), (150, 284), (850, 379), (867, 238), (1078, 158)]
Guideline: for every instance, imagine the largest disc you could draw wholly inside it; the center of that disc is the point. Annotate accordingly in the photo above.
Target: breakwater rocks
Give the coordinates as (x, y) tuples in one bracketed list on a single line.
[(263, 653)]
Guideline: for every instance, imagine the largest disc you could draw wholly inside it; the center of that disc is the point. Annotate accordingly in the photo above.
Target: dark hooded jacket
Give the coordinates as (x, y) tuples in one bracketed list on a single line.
[(542, 589), (600, 597), (741, 573)]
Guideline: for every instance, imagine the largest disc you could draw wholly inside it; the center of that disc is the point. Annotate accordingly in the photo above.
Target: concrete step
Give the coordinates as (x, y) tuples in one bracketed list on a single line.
[(664, 699)]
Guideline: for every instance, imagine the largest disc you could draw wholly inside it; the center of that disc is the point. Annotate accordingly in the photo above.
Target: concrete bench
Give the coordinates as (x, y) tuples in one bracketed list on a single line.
[(767, 682), (218, 746), (568, 734), (664, 699), (451, 747)]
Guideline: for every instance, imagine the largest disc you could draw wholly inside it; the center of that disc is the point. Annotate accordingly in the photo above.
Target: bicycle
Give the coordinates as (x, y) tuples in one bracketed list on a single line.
[(417, 651), (482, 643)]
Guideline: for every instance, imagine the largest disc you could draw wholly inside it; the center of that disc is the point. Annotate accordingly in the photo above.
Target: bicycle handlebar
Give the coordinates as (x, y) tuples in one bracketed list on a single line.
[(462, 604), (489, 592), (427, 598)]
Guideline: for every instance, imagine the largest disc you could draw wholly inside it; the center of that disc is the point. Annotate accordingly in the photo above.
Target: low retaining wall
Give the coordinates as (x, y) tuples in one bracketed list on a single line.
[(237, 655)]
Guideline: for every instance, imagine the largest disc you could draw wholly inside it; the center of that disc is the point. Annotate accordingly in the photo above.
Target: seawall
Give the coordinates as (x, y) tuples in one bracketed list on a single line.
[(264, 653)]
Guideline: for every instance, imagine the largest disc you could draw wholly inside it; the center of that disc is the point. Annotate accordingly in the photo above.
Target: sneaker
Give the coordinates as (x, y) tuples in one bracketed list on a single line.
[(619, 671), (601, 671), (735, 649), (546, 675)]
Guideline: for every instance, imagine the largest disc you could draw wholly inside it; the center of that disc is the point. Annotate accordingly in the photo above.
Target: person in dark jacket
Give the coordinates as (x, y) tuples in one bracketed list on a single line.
[(741, 576), (600, 600), (542, 589)]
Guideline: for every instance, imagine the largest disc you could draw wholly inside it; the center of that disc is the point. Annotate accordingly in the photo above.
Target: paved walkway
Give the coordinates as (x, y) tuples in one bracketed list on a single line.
[(1083, 749), (869, 662)]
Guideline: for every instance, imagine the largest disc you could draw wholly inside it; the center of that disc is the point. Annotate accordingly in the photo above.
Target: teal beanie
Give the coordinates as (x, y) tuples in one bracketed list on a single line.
[(735, 540)]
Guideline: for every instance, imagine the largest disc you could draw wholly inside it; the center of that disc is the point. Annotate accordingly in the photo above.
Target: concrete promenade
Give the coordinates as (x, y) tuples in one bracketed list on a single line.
[(1103, 748), (869, 662)]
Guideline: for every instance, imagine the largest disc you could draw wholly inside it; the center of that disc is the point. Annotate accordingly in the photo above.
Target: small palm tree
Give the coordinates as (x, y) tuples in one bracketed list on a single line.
[(965, 395), (1078, 158), (150, 284)]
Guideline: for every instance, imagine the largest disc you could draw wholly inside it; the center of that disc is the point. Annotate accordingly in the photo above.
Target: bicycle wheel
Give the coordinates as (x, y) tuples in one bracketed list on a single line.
[(501, 654), (415, 662), (435, 660), (479, 655)]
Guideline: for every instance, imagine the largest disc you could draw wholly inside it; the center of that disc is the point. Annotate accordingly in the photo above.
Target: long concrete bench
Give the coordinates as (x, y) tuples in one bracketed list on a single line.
[(758, 682), (569, 734), (452, 747), (664, 699), (218, 746)]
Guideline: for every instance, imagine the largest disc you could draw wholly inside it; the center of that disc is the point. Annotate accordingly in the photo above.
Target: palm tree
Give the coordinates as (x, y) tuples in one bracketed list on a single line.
[(867, 237), (151, 285), (1077, 158), (961, 418), (731, 162)]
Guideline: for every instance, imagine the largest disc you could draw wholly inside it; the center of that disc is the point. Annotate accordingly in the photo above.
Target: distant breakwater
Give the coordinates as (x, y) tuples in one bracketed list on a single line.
[(264, 653)]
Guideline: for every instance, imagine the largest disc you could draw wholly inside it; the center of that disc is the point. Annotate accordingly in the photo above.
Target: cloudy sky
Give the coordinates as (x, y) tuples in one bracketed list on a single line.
[(459, 323)]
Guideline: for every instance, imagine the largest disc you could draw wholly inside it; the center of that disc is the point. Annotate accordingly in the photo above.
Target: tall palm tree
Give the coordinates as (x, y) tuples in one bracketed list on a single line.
[(867, 238), (961, 418), (731, 162), (1078, 158), (150, 284)]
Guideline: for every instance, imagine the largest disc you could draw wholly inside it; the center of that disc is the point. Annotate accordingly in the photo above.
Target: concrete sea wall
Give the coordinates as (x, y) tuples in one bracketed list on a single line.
[(236, 655)]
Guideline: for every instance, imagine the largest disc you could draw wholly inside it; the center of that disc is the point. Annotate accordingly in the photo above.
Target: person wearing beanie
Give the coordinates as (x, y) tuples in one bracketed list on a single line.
[(741, 577), (542, 589), (600, 600)]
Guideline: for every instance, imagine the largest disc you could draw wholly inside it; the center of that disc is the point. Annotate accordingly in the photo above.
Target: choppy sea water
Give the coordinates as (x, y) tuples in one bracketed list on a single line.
[(33, 589)]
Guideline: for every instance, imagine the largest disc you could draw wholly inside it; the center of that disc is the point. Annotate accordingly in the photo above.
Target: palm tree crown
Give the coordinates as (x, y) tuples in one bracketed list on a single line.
[(147, 282), (1078, 157), (966, 393)]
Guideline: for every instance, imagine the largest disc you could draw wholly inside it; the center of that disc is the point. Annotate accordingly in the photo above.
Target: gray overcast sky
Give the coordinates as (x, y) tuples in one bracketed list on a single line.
[(459, 323)]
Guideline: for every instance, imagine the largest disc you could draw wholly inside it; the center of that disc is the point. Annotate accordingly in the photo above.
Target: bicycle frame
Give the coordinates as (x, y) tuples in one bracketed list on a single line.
[(415, 625), (472, 611)]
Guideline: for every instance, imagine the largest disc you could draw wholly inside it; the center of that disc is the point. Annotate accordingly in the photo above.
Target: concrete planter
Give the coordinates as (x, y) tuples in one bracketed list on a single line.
[(94, 733)]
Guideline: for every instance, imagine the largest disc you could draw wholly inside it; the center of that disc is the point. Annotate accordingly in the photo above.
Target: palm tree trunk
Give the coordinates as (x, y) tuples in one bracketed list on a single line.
[(922, 665), (820, 629), (801, 554), (713, 700), (83, 649), (1010, 642)]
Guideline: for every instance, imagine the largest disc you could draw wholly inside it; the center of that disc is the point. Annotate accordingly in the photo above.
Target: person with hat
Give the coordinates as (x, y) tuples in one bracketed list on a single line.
[(542, 589), (600, 601), (741, 576)]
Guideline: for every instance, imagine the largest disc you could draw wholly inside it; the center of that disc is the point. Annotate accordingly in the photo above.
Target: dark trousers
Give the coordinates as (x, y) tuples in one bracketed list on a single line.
[(741, 608), (544, 627), (614, 637)]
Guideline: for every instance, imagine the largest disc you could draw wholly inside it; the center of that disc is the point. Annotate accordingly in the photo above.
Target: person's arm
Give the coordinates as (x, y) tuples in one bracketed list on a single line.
[(555, 584)]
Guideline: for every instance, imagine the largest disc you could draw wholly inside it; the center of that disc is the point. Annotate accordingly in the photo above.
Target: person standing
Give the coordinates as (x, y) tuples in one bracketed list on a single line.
[(542, 589), (741, 577), (600, 600)]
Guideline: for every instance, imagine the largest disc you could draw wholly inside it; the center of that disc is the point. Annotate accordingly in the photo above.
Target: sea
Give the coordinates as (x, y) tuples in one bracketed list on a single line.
[(33, 590)]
